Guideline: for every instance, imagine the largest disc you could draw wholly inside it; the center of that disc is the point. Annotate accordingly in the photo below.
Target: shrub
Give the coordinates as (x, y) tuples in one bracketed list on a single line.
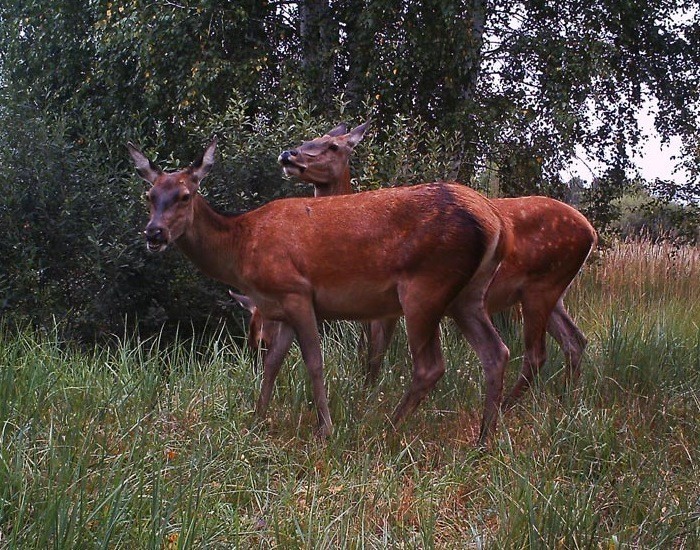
[(74, 212)]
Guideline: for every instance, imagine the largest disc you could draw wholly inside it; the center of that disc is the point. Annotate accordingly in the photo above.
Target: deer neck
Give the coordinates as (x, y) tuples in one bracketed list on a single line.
[(335, 186), (212, 243)]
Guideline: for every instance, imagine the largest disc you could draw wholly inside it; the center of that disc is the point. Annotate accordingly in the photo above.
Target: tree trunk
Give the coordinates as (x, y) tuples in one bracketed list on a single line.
[(319, 40)]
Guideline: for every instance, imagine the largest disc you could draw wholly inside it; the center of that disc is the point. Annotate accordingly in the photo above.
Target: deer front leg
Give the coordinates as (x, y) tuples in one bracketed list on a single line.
[(302, 316), (272, 361), (380, 334)]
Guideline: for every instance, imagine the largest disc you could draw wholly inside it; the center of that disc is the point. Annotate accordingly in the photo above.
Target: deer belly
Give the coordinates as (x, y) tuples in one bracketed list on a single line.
[(504, 292), (359, 303)]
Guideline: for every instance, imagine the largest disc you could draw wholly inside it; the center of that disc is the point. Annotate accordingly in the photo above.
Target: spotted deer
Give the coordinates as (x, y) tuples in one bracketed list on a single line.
[(421, 252), (551, 241)]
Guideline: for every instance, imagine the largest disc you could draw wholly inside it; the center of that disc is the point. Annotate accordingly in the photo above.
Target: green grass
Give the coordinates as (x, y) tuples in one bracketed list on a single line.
[(148, 445)]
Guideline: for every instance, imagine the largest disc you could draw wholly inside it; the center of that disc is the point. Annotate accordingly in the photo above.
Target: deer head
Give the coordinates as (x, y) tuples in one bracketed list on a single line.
[(171, 195), (325, 158)]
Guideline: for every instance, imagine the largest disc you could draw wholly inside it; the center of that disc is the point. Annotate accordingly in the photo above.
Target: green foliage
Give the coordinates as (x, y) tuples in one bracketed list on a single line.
[(60, 252), (530, 78), (496, 95), (119, 69), (642, 214), (600, 204), (433, 155)]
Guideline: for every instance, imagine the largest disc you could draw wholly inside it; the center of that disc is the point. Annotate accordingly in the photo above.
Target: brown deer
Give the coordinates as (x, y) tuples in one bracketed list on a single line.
[(420, 251), (551, 243)]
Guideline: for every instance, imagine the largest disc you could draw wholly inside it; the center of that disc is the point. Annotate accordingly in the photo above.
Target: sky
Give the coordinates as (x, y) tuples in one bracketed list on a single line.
[(654, 159)]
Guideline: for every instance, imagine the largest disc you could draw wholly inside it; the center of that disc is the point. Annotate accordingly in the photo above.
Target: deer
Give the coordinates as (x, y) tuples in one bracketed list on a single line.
[(551, 242), (421, 252)]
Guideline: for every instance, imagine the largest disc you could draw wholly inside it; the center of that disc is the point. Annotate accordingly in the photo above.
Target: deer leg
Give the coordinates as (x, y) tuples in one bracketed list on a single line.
[(363, 342), (423, 310), (428, 368), (261, 337), (476, 326), (380, 333), (534, 323), (302, 316), (569, 337), (272, 361)]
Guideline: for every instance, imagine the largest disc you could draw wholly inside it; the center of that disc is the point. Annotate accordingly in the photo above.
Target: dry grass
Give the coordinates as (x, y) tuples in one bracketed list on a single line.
[(648, 271)]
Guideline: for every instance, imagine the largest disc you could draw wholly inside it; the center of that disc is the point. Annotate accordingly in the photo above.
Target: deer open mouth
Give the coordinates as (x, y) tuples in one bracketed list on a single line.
[(293, 170), (290, 167), (156, 245)]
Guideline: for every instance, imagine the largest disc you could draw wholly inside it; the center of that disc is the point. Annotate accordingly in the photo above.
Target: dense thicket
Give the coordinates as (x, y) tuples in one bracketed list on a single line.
[(498, 94)]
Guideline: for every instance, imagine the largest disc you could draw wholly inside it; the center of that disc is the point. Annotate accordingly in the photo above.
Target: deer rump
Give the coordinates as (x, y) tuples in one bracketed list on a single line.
[(352, 254)]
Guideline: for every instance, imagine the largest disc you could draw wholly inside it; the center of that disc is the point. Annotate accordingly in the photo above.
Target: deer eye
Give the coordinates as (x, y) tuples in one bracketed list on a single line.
[(333, 147)]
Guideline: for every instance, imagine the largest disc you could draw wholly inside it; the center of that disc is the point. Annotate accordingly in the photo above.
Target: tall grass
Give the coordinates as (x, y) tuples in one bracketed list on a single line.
[(148, 445)]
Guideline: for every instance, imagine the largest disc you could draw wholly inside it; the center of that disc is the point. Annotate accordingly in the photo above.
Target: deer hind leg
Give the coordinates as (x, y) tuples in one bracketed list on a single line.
[(536, 308), (302, 317), (534, 357), (272, 361), (476, 326), (570, 338), (380, 334), (428, 368), (363, 342)]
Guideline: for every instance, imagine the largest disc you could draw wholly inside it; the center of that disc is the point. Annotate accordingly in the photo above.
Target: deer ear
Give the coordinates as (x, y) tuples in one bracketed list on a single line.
[(357, 133), (144, 167), (243, 301), (339, 130), (200, 168)]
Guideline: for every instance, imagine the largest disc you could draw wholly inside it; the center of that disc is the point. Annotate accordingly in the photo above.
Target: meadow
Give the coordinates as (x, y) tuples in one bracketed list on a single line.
[(147, 444)]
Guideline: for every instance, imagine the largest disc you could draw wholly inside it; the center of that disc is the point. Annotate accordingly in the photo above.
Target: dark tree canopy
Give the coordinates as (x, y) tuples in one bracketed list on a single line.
[(499, 94), (535, 77)]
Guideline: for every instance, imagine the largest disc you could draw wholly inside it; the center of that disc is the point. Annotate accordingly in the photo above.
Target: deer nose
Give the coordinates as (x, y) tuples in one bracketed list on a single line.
[(286, 156), (154, 234), (156, 238)]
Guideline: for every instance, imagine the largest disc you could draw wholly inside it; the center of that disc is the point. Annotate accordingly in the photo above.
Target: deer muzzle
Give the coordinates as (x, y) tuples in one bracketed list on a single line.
[(289, 164), (156, 238)]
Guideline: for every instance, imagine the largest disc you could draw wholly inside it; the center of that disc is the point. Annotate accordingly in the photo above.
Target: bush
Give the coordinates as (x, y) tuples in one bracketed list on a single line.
[(74, 210), (642, 215), (72, 249)]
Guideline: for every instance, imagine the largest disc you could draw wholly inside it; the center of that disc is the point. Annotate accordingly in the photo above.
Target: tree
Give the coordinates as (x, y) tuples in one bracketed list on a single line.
[(477, 90), (118, 69), (580, 73), (528, 79), (318, 34), (537, 77)]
